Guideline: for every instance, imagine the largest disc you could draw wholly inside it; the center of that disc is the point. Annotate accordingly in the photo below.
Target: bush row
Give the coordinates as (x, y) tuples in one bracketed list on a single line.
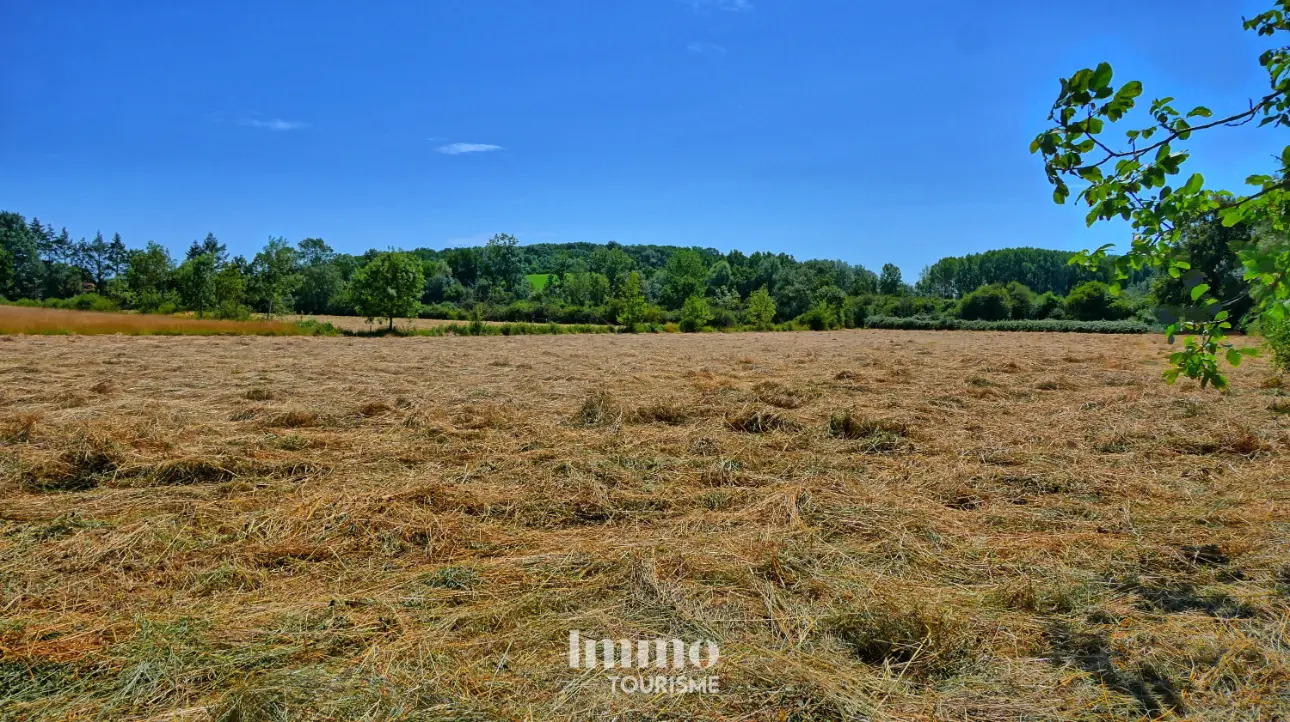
[(1046, 324)]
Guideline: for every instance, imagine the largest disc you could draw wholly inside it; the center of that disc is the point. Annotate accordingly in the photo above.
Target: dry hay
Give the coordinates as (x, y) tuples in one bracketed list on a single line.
[(871, 524)]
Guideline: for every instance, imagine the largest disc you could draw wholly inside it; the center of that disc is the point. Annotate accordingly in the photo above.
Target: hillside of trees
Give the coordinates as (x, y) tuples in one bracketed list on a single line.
[(567, 282)]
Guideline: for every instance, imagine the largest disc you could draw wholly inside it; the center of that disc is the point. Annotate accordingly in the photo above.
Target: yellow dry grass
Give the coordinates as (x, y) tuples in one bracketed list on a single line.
[(871, 524), (46, 321)]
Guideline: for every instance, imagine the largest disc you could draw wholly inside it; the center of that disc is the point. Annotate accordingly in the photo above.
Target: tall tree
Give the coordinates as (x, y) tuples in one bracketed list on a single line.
[(274, 276), (502, 268), (683, 277), (889, 281), (210, 246), (148, 277), (195, 282)]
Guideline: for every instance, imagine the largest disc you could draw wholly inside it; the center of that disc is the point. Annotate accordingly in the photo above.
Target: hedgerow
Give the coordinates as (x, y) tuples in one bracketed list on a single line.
[(1047, 324)]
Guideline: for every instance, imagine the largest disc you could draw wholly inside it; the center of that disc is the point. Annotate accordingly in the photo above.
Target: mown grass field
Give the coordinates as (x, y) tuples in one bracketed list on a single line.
[(57, 321), (871, 524)]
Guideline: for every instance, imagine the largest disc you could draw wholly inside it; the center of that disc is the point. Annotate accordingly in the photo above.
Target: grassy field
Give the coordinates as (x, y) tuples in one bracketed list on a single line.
[(54, 321), (871, 524), (539, 280)]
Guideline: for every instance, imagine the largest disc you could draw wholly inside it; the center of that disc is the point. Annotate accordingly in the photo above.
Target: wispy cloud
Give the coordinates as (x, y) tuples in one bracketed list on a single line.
[(460, 148), (272, 123), (705, 48), (728, 6)]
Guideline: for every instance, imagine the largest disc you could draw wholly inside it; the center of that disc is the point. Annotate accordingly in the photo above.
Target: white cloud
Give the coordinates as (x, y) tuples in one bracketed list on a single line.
[(706, 48), (460, 148), (729, 6), (272, 123)]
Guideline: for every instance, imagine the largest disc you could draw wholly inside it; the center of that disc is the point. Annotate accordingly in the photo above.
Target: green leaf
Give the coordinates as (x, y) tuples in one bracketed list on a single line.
[(1232, 216), (1194, 184), (1234, 357), (1130, 90), (1201, 112), (1101, 77), (1199, 290)]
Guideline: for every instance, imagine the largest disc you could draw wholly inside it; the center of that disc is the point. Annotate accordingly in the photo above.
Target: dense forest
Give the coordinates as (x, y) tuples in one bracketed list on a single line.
[(569, 282)]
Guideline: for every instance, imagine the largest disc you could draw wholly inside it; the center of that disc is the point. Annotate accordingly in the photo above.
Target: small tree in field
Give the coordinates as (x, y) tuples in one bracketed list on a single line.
[(388, 287), (634, 306), (761, 309), (695, 313)]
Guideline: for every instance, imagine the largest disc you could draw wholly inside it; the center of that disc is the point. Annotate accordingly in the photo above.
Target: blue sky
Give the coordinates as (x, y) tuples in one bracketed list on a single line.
[(866, 131)]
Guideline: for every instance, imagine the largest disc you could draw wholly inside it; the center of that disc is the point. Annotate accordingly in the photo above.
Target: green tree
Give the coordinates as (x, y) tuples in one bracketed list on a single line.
[(321, 285), (389, 287), (761, 309), (1213, 252), (230, 290), (684, 276), (695, 313), (632, 305), (195, 282), (987, 303), (22, 272), (148, 277), (889, 281), (1133, 181), (209, 246), (502, 268), (1022, 299), (1048, 303), (1091, 301), (274, 276), (613, 263)]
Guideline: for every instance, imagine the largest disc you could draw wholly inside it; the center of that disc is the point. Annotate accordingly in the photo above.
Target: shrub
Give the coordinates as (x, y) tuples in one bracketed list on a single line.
[(1048, 324), (821, 317), (89, 302), (987, 303), (1277, 336), (1023, 299), (1092, 301), (695, 314), (761, 309), (1049, 305)]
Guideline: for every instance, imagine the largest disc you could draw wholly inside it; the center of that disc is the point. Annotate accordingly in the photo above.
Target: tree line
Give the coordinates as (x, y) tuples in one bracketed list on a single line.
[(607, 283)]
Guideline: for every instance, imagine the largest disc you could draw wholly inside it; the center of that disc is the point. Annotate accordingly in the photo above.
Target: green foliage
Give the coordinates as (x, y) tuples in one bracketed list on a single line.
[(1092, 301), (1050, 305), (274, 277), (821, 317), (195, 282), (1277, 336), (1141, 181), (760, 312), (1022, 298), (389, 287), (632, 305), (695, 314), (501, 268), (890, 282), (917, 323), (682, 278), (987, 303)]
